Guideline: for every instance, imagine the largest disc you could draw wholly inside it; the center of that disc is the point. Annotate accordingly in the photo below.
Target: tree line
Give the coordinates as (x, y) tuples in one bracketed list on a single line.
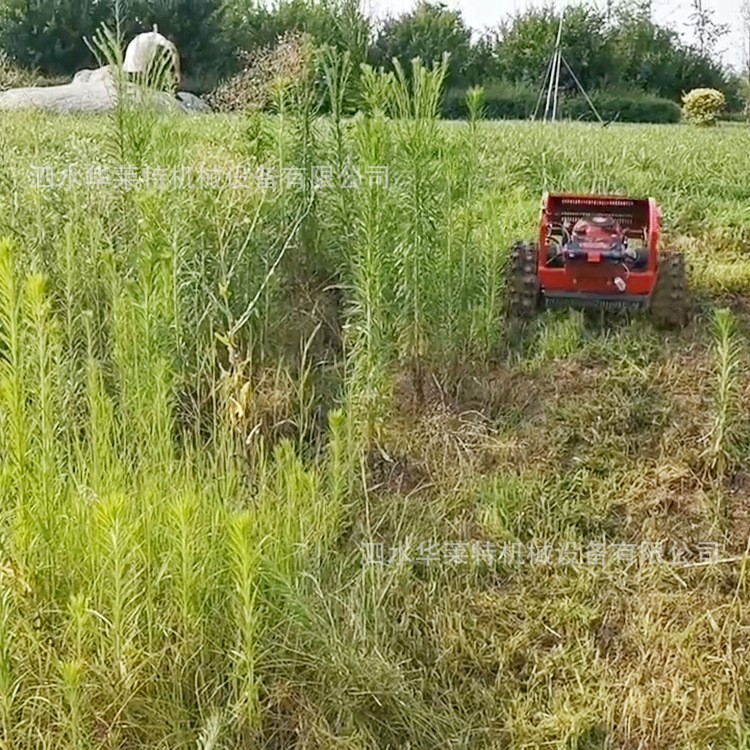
[(618, 50)]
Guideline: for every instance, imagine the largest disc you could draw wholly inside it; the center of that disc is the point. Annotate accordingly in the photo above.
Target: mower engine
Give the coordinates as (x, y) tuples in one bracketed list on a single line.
[(595, 233), (596, 239)]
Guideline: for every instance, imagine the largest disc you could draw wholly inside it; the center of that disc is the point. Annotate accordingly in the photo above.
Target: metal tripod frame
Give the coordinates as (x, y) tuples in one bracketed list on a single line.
[(551, 83)]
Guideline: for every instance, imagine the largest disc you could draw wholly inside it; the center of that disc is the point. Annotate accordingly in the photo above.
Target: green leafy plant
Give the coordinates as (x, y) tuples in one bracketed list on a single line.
[(722, 450)]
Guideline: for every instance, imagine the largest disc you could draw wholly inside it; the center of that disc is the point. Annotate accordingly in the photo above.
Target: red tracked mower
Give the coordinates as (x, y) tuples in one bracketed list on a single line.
[(598, 252)]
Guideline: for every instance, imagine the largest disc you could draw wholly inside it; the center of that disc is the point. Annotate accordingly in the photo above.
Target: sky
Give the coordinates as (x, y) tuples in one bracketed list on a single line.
[(480, 14)]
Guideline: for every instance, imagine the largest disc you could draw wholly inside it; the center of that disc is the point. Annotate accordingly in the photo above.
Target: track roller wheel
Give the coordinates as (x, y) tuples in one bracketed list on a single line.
[(670, 301), (522, 282)]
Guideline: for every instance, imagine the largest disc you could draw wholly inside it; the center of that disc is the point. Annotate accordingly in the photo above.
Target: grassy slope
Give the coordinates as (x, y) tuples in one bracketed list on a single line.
[(571, 431)]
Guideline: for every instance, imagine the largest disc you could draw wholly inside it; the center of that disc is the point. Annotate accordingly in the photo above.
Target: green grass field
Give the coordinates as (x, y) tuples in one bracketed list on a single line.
[(217, 402)]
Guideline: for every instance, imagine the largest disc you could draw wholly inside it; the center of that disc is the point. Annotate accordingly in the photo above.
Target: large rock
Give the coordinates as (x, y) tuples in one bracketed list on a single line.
[(193, 103), (89, 76), (91, 91), (71, 97)]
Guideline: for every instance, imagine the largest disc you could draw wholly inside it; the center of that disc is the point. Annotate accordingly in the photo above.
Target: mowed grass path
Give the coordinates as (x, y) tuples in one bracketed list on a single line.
[(197, 453)]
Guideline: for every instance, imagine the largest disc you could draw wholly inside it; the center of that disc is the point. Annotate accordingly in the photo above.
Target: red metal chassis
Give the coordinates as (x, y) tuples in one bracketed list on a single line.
[(641, 220)]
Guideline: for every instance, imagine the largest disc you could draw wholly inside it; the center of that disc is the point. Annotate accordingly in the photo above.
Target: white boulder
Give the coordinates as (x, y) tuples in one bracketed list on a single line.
[(91, 91)]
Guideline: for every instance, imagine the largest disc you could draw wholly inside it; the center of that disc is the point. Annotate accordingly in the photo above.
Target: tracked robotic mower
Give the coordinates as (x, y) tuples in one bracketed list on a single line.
[(598, 252)]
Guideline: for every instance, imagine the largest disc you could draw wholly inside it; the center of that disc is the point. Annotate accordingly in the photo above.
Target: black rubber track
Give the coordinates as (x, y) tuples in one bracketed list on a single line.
[(522, 282), (670, 301)]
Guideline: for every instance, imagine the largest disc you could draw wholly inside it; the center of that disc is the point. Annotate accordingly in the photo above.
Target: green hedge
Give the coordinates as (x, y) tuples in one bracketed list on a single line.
[(624, 107), (503, 101)]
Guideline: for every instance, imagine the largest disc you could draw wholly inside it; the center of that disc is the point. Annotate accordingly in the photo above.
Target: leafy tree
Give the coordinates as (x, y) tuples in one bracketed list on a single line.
[(618, 48), (527, 41), (427, 32), (647, 55), (52, 35), (652, 58), (336, 23), (627, 52), (49, 35), (483, 64), (707, 30)]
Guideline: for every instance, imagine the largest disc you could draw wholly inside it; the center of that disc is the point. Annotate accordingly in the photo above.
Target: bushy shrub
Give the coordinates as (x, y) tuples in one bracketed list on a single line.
[(13, 76), (264, 70), (703, 106)]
